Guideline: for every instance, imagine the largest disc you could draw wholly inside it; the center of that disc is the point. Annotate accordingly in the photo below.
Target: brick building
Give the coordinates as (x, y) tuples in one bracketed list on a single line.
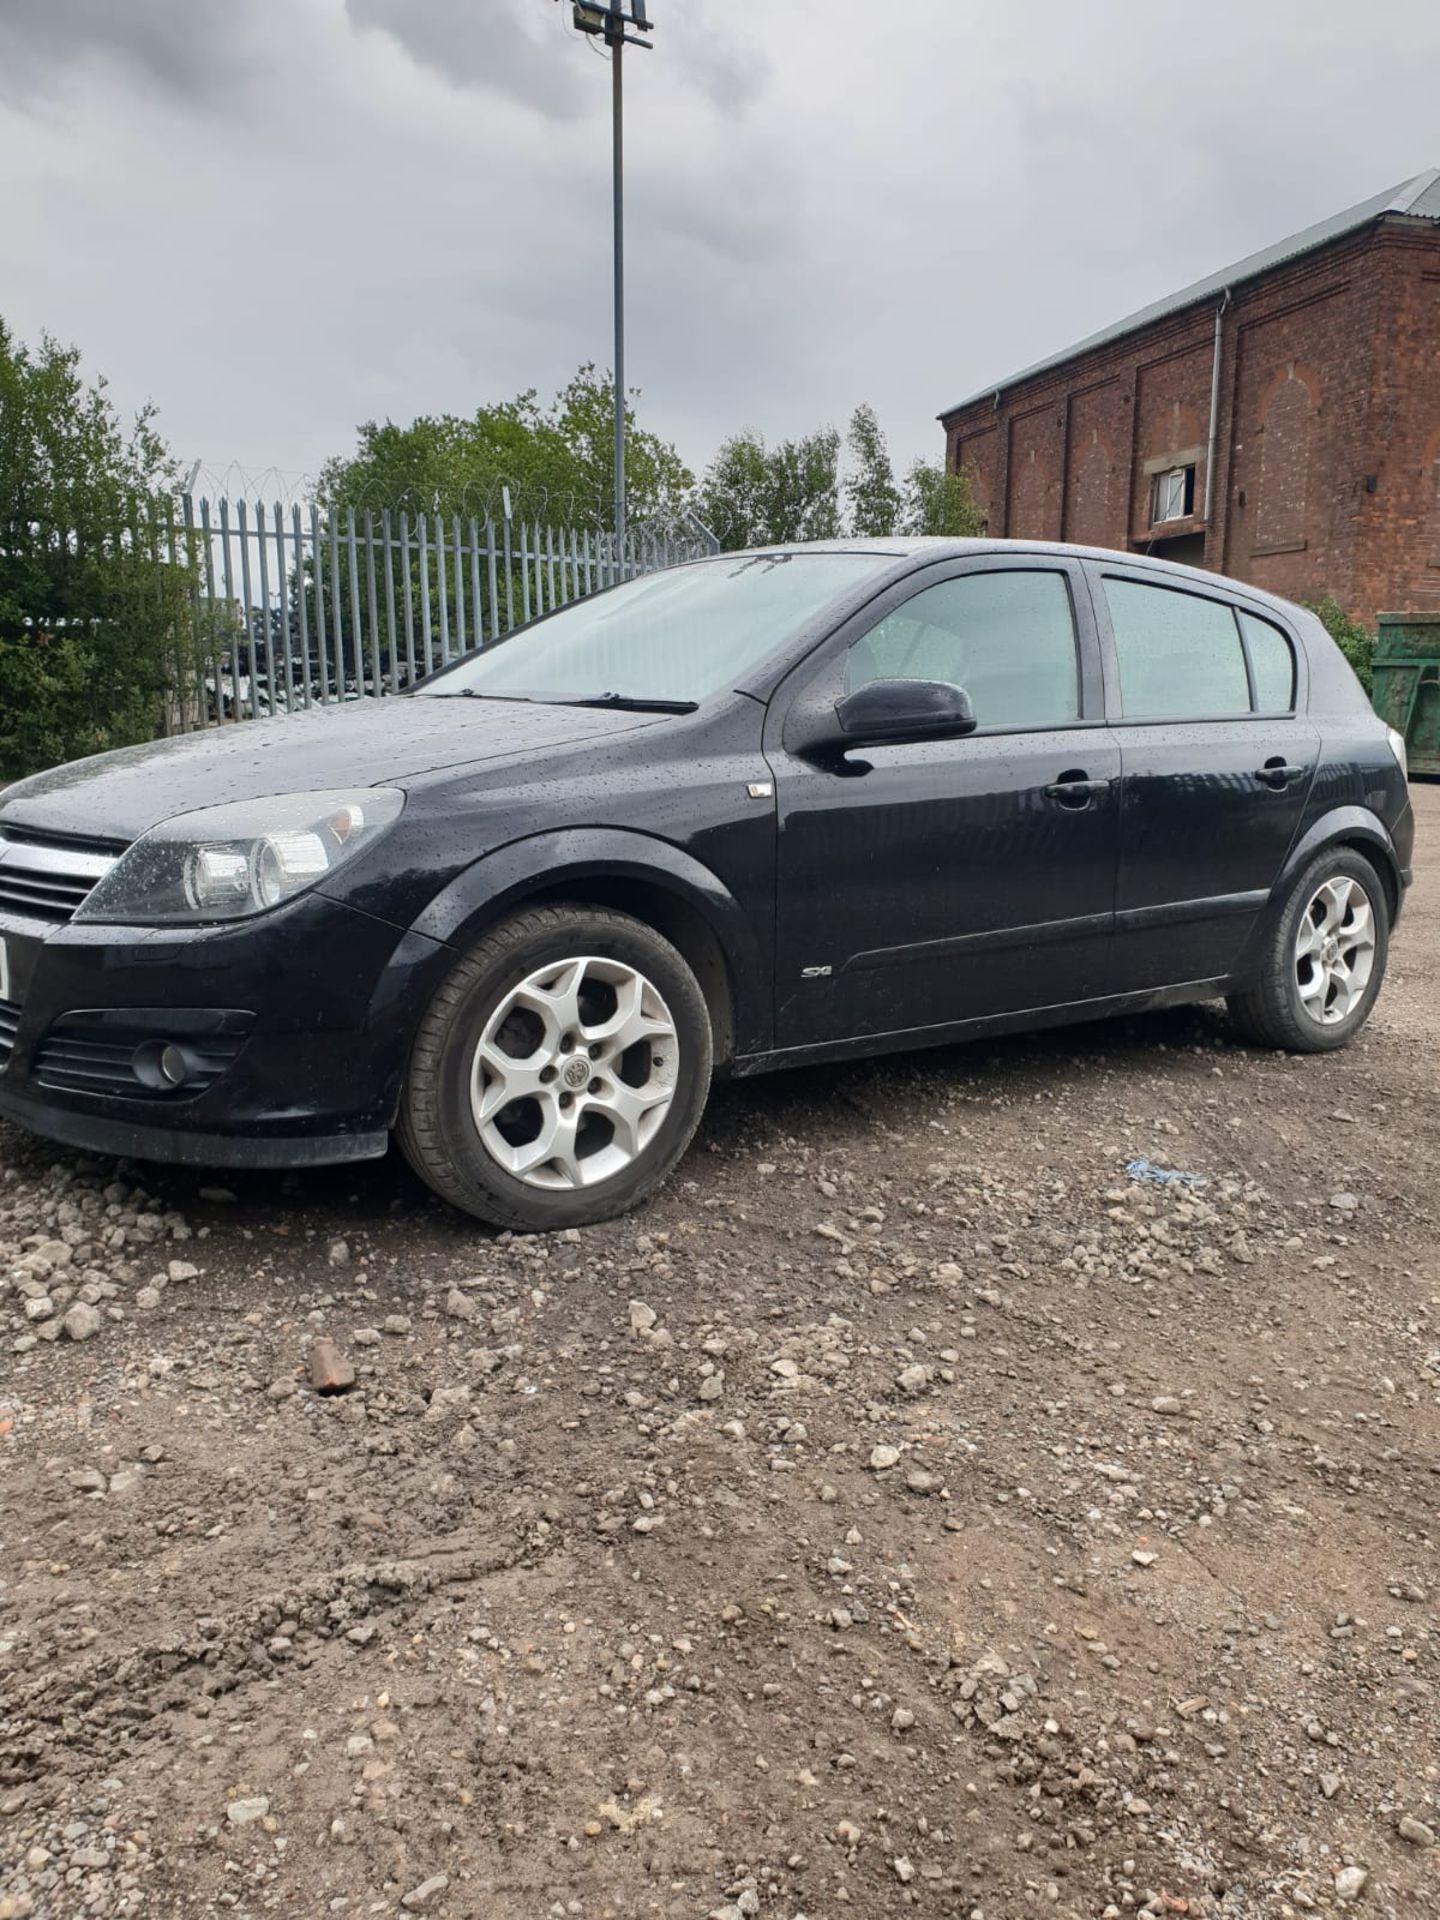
[(1279, 421)]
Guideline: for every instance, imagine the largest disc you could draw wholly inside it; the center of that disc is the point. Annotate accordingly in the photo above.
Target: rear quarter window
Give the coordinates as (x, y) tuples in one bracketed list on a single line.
[(1272, 664)]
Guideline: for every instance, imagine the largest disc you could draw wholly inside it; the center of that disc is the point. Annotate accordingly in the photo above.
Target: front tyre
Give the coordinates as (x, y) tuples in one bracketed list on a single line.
[(1324, 959), (560, 1071)]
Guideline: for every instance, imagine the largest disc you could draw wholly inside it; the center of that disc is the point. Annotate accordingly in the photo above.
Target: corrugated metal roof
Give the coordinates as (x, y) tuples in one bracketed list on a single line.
[(1418, 196)]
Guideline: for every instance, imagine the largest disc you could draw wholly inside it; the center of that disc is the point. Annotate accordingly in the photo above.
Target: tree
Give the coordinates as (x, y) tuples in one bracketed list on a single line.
[(754, 495), (735, 493), (757, 495), (557, 462), (870, 489), (94, 591), (938, 501), (805, 487)]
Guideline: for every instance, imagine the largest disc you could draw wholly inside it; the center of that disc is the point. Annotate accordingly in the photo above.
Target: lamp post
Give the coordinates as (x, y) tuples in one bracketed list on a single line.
[(621, 24)]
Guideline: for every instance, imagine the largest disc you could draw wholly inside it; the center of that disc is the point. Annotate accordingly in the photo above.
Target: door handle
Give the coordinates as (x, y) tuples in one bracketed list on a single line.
[(1075, 791), (1277, 774)]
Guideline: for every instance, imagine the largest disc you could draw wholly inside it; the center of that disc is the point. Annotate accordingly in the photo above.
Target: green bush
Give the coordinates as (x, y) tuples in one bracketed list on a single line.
[(1354, 640), (95, 631)]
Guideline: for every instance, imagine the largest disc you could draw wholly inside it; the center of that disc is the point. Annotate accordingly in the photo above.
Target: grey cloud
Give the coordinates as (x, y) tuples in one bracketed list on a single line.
[(499, 46), (409, 211), (513, 48), (201, 50), (723, 62), (743, 221)]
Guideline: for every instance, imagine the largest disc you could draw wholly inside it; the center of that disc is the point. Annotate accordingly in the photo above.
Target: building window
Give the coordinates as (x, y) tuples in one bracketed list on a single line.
[(1172, 495)]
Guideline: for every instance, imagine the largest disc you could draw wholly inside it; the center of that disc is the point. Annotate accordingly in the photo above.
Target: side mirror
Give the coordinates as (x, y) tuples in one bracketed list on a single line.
[(888, 712)]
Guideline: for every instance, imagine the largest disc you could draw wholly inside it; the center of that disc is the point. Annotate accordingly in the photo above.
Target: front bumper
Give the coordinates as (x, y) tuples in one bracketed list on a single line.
[(104, 1132), (317, 1003)]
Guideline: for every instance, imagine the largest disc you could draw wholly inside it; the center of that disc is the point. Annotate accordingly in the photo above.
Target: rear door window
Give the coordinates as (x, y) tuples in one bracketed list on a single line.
[(1179, 654)]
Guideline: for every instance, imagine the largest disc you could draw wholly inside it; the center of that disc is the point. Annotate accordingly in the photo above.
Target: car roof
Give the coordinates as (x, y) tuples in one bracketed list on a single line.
[(925, 549)]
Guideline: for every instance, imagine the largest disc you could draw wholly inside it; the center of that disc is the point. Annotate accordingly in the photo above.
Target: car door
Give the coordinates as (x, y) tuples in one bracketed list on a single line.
[(934, 882), (1207, 697)]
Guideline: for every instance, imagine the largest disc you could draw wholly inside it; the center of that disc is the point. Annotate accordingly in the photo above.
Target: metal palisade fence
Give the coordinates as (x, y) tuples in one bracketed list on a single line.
[(303, 606)]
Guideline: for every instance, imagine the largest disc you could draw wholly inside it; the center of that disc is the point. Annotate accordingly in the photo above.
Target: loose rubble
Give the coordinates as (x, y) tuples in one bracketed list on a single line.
[(907, 1512)]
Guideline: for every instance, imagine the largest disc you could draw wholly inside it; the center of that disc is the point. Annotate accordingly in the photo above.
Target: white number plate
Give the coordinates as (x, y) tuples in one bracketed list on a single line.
[(17, 963)]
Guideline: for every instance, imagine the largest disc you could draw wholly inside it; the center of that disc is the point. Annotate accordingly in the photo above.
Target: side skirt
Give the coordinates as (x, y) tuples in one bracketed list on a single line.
[(910, 1039)]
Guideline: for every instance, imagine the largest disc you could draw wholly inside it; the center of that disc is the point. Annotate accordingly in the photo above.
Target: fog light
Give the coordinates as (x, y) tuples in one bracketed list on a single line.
[(162, 1065)]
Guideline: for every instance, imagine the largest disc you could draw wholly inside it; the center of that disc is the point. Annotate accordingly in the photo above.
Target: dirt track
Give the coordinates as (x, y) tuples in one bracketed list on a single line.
[(908, 1510)]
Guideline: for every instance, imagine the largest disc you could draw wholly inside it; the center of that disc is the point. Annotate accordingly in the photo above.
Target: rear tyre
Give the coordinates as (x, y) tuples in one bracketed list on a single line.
[(1324, 959), (560, 1071)]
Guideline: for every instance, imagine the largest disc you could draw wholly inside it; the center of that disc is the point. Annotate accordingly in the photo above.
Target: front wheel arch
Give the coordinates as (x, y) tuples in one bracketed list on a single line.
[(530, 1180), (672, 916), (635, 873)]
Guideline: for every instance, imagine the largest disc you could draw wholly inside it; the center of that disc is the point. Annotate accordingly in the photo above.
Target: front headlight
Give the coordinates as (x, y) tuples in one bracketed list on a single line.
[(1397, 747), (227, 863)]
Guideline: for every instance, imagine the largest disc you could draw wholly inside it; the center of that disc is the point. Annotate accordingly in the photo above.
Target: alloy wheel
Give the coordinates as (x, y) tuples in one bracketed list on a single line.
[(574, 1074), (1335, 950)]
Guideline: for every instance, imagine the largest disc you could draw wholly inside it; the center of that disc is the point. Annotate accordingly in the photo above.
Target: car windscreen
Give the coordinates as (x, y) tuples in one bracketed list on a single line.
[(674, 636)]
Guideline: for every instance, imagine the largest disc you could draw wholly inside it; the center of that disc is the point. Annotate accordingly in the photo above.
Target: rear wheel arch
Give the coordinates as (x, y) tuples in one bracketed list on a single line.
[(1344, 829), (1353, 828), (1381, 856), (1317, 978)]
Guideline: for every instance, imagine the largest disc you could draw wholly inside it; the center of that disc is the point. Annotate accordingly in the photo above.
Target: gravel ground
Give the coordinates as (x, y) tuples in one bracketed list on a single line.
[(908, 1510)]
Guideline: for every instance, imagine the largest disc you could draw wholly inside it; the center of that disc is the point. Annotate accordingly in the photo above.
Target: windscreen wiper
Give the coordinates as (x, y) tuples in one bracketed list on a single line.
[(472, 693), (632, 703)]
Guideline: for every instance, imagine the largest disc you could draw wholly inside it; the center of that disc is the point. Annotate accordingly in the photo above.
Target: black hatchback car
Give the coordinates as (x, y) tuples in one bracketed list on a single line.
[(772, 807)]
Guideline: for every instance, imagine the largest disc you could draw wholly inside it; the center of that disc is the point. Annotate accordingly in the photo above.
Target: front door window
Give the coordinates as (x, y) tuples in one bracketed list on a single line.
[(1007, 638)]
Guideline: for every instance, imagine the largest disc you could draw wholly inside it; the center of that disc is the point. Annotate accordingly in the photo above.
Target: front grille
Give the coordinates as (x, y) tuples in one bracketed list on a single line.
[(49, 879), (80, 1057), (9, 1027)]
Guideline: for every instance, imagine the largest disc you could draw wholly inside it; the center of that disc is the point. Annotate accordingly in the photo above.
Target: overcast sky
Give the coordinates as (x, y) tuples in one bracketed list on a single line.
[(277, 218)]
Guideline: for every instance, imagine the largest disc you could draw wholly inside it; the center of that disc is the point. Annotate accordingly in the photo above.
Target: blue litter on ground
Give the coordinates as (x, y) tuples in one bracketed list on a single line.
[(1143, 1169)]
